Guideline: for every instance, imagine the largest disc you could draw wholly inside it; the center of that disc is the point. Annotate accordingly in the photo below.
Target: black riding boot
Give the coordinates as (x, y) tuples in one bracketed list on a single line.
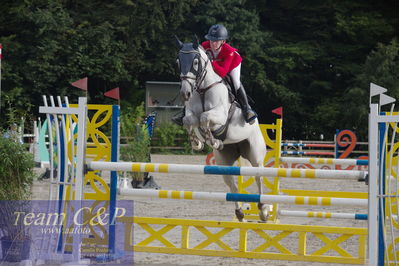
[(248, 113), (178, 118)]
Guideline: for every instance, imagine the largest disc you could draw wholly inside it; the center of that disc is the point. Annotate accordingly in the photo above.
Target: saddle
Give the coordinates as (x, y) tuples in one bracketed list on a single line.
[(221, 132)]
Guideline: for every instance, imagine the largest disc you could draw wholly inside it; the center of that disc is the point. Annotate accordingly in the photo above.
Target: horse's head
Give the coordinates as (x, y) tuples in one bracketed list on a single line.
[(192, 61)]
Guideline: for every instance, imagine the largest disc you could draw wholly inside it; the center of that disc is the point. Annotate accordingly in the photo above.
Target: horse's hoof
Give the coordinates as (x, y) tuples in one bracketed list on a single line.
[(198, 146), (239, 214), (263, 216), (264, 211), (218, 145), (221, 146)]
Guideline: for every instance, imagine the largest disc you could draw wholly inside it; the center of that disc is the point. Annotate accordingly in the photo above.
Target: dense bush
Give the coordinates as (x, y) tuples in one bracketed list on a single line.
[(169, 135), (137, 148), (16, 170), (16, 178)]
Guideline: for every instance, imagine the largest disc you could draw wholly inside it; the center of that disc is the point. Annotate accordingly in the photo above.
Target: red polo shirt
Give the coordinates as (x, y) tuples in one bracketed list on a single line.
[(227, 59)]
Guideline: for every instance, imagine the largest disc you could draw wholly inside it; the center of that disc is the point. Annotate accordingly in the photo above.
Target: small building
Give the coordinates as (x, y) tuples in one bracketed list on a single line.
[(164, 98)]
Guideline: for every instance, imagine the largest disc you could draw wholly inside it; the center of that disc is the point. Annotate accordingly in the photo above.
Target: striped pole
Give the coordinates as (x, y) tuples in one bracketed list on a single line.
[(326, 215), (304, 160), (308, 153), (218, 196), (313, 145), (226, 170)]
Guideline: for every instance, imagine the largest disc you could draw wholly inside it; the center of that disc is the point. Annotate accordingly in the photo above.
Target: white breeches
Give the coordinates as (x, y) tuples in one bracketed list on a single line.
[(235, 74)]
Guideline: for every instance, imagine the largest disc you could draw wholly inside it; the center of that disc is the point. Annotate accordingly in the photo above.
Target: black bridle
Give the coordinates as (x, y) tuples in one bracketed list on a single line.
[(186, 59)]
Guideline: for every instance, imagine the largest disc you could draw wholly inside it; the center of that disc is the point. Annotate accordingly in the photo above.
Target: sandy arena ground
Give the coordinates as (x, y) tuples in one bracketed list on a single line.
[(219, 210)]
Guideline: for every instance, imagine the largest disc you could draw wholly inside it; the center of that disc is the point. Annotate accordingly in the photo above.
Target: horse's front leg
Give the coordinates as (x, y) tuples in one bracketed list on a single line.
[(209, 118), (190, 122), (215, 116)]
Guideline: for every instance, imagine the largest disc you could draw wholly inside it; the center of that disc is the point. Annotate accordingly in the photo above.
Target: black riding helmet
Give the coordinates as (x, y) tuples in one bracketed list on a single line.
[(217, 32)]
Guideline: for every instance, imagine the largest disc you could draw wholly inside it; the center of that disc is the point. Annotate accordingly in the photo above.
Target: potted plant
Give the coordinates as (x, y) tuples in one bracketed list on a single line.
[(16, 178), (137, 148)]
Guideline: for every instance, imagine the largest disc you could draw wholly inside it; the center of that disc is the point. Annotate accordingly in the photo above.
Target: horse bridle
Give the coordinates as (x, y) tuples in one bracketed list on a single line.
[(199, 74)]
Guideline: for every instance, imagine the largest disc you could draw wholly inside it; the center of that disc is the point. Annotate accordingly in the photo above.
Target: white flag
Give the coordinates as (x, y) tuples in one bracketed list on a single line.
[(375, 89), (385, 99)]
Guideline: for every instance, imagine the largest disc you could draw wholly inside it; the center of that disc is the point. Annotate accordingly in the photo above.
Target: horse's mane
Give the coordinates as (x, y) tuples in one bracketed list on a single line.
[(201, 48)]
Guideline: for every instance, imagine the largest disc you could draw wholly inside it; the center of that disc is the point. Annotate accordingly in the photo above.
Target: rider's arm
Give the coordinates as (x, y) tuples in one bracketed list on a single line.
[(222, 67)]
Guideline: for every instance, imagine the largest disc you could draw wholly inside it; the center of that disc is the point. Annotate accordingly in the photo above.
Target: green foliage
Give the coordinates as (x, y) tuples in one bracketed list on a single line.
[(171, 135), (16, 178), (137, 148), (167, 134), (382, 68), (16, 170), (17, 106)]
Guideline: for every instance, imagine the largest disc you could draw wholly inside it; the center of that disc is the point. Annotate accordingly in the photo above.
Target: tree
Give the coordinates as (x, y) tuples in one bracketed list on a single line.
[(382, 68), (302, 55), (318, 51)]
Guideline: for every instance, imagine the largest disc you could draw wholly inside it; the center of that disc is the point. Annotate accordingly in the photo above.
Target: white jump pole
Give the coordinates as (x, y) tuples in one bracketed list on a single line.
[(219, 196), (303, 160), (373, 186), (226, 170), (323, 215)]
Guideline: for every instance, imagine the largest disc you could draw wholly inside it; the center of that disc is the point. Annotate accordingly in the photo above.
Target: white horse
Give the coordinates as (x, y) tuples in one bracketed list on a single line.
[(211, 118)]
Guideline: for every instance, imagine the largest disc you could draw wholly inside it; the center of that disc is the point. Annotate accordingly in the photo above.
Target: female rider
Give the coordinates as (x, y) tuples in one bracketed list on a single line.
[(225, 62)]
